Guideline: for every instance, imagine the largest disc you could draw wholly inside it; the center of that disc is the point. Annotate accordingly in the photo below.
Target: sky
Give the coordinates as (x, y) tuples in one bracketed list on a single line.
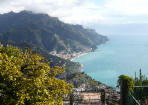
[(85, 12)]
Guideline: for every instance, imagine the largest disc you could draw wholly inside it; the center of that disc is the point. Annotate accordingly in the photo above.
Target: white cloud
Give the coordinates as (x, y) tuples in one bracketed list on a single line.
[(128, 7), (71, 11), (84, 11)]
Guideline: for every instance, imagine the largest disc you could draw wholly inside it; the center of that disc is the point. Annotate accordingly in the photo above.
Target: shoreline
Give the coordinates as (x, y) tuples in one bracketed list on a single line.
[(82, 70), (74, 55), (73, 58), (84, 53)]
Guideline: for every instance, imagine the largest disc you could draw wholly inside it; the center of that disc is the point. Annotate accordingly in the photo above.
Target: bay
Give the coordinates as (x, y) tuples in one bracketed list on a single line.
[(120, 55)]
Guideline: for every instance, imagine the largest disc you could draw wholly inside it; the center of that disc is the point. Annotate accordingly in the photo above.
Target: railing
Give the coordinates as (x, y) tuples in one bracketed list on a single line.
[(132, 98)]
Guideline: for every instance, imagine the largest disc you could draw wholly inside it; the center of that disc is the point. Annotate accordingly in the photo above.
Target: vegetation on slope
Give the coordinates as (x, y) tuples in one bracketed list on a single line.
[(78, 78), (49, 33), (73, 73)]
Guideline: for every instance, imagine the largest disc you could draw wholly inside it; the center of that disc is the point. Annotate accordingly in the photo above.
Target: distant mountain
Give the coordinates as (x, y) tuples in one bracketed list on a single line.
[(46, 32)]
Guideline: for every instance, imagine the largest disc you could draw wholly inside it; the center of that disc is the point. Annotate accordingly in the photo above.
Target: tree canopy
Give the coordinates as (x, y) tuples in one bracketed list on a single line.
[(27, 78), (127, 81)]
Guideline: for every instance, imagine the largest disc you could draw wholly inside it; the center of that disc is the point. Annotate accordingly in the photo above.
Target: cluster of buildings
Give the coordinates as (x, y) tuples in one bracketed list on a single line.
[(99, 95), (67, 55)]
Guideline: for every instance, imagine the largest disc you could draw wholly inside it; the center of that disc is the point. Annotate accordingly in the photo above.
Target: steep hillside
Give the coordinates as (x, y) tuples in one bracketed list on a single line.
[(49, 33)]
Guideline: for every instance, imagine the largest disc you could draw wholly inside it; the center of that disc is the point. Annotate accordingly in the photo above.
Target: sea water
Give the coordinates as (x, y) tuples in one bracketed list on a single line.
[(122, 54)]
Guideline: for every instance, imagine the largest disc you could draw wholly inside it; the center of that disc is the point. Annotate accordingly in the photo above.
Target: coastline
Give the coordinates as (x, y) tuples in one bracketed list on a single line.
[(70, 56), (73, 58), (73, 55)]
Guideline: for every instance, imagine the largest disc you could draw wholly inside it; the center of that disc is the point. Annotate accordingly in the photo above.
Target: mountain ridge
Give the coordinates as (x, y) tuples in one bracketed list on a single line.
[(47, 32)]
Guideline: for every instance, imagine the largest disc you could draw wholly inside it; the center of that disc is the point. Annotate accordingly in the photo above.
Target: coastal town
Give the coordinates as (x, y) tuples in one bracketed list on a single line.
[(69, 55), (85, 93)]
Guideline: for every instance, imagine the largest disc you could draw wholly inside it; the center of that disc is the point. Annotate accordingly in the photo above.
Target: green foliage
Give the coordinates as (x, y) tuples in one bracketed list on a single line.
[(27, 78), (70, 67), (145, 90), (141, 93), (78, 78), (126, 84)]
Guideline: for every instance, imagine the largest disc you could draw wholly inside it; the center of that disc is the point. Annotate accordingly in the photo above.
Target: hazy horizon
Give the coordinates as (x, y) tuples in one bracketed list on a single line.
[(122, 29)]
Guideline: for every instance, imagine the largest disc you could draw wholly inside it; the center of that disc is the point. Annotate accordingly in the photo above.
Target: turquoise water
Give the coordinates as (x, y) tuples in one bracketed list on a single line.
[(121, 55)]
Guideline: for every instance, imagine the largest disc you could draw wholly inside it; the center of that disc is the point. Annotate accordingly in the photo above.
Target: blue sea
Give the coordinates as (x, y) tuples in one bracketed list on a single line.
[(122, 54)]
